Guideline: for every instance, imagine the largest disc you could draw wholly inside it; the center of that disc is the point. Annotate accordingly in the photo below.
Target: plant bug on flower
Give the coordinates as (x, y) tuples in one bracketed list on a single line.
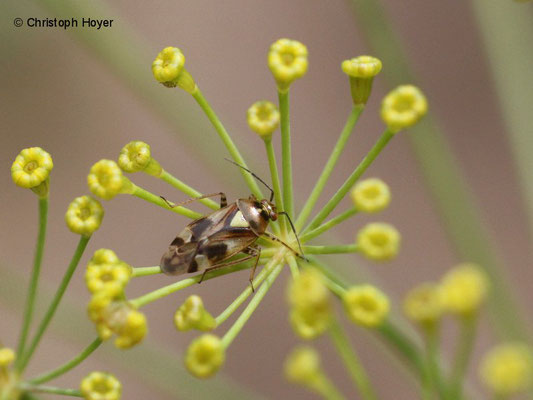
[(207, 243)]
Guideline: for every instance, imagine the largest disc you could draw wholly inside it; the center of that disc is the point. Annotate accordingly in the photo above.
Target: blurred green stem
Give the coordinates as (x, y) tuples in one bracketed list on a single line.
[(328, 225), (82, 244), (459, 211), (462, 354), (286, 156), (37, 261)]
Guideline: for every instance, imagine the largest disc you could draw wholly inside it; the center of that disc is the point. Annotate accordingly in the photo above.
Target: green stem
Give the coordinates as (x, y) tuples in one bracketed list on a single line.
[(286, 162), (152, 198), (341, 248), (37, 261), (226, 139), (330, 165), (82, 244), (52, 390), (68, 365), (361, 168), (432, 384), (325, 387), (274, 267), (462, 355), (145, 271), (224, 315), (176, 286), (275, 179), (189, 191), (328, 225), (293, 265), (351, 361)]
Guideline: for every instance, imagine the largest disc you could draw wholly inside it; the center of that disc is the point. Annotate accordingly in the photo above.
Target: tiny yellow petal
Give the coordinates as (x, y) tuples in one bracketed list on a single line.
[(205, 355), (168, 64), (362, 67), (366, 305), (287, 60), (263, 118), (106, 180)]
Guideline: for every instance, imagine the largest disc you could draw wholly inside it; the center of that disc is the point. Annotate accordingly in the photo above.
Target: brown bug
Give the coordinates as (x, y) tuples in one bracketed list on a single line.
[(208, 242)]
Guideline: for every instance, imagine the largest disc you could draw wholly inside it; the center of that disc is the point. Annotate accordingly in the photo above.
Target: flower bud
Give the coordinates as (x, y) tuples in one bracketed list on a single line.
[(31, 169), (403, 107), (370, 195), (84, 215), (205, 355), (169, 69), (106, 180), (193, 315), (99, 276), (263, 118), (136, 156), (100, 386), (104, 256), (378, 241), (366, 305), (507, 369), (361, 71), (464, 288), (287, 60), (302, 366), (7, 356)]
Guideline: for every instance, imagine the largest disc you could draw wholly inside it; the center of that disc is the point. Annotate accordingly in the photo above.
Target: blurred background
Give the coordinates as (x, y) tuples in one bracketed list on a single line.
[(82, 94)]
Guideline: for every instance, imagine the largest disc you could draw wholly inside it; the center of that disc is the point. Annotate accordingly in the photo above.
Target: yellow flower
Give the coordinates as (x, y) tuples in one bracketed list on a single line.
[(106, 180), (370, 195), (403, 107), (464, 288), (100, 386), (169, 69), (310, 304), (287, 60), (263, 118), (193, 315), (104, 256), (362, 67), (366, 305), (112, 315), (508, 368), (7, 356), (205, 355), (100, 276), (378, 241), (31, 170), (424, 304), (84, 215), (361, 71), (302, 366), (136, 156)]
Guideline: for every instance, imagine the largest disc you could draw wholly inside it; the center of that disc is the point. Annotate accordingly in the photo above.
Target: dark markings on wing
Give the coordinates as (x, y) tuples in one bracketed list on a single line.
[(193, 266), (215, 251), (177, 241), (200, 226), (177, 259)]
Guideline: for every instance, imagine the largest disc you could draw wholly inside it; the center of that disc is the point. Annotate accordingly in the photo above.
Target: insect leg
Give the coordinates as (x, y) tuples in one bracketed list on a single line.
[(255, 251), (223, 200), (276, 239), (226, 264), (293, 231)]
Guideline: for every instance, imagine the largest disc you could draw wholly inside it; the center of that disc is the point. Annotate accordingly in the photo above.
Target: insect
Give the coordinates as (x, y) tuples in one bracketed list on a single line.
[(207, 243)]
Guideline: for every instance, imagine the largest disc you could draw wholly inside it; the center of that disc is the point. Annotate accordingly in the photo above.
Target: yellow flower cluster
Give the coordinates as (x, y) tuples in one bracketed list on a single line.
[(205, 356), (366, 305), (136, 157), (106, 277), (309, 299), (508, 369), (287, 60), (31, 169), (378, 241), (370, 195), (84, 215), (193, 315), (106, 272), (106, 180), (263, 118), (100, 386)]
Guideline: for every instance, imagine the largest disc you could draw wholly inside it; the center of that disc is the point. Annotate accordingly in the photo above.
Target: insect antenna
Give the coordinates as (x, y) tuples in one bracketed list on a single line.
[(295, 234), (255, 176)]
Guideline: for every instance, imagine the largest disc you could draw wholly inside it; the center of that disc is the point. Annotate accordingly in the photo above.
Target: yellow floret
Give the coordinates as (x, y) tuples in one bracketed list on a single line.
[(100, 386), (366, 305), (205, 355), (465, 288), (84, 215), (362, 67), (378, 241), (287, 60), (263, 118), (403, 107), (193, 315), (424, 304), (370, 195), (106, 180)]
